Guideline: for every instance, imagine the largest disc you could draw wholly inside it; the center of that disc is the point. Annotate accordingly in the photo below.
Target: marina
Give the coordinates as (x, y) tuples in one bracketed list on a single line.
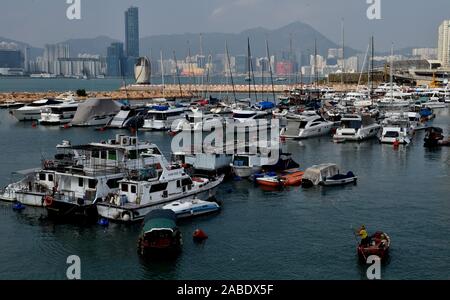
[(343, 206), (241, 149)]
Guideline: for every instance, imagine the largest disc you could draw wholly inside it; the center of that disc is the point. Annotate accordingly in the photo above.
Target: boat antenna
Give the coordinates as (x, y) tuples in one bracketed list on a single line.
[(270, 69)]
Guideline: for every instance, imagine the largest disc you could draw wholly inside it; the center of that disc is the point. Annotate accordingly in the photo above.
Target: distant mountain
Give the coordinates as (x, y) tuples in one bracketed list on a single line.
[(32, 51), (303, 36)]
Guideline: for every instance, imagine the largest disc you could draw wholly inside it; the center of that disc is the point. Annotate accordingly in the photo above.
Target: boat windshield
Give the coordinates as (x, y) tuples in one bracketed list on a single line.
[(241, 161), (303, 124), (391, 134), (355, 124), (243, 116)]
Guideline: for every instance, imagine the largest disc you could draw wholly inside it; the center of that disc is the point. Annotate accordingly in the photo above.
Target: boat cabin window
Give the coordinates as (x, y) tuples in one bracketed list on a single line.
[(95, 154), (124, 187), (158, 187), (355, 124), (103, 154), (41, 176), (186, 181), (241, 161), (113, 183), (178, 183), (112, 155), (50, 177), (315, 124), (92, 183), (133, 189), (80, 182)]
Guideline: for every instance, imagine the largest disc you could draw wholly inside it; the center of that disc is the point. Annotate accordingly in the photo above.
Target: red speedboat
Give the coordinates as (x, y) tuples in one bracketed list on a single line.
[(379, 246)]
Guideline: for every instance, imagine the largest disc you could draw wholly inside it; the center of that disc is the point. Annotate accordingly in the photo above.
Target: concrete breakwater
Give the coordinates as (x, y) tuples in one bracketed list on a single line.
[(140, 92)]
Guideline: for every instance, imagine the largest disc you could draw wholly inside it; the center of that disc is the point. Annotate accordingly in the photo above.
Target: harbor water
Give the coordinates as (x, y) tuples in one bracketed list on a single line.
[(287, 234)]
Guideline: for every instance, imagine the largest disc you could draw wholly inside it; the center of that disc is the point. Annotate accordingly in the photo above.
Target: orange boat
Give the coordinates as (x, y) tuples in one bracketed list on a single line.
[(269, 181), (292, 177)]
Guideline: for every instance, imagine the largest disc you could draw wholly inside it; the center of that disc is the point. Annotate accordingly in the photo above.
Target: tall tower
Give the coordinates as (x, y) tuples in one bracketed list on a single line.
[(444, 43), (132, 32)]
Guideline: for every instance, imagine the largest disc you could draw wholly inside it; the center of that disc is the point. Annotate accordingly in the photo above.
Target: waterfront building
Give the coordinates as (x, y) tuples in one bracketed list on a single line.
[(444, 43)]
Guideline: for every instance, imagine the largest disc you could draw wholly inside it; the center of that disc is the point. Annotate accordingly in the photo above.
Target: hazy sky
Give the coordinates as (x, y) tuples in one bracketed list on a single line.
[(406, 22)]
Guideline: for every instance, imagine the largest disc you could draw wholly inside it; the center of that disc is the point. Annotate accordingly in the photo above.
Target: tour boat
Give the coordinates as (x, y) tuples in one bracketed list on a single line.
[(379, 244), (151, 186), (160, 234), (356, 128), (192, 207)]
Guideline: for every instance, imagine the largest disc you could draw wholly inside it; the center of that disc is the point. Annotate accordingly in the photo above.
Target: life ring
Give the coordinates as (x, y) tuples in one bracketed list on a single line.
[(48, 200)]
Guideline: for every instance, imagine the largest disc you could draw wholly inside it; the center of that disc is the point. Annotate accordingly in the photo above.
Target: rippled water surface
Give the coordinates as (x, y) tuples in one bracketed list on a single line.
[(290, 234)]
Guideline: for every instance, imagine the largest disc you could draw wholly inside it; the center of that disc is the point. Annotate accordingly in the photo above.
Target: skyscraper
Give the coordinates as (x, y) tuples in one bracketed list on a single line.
[(51, 55), (444, 43), (132, 32), (114, 60)]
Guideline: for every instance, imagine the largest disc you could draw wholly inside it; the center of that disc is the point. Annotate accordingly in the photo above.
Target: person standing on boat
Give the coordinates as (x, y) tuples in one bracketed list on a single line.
[(364, 236)]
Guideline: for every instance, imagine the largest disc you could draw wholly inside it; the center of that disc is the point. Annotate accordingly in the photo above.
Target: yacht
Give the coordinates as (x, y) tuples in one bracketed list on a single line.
[(306, 126), (160, 117), (127, 116), (434, 102), (32, 111), (152, 186), (95, 174), (387, 87), (10, 104), (199, 122), (356, 128), (396, 130), (59, 113), (250, 119)]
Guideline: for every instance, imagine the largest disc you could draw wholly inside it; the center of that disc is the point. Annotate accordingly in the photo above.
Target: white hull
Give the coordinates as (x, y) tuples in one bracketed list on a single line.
[(138, 212), (27, 115), (26, 198), (360, 135), (339, 182), (100, 121), (245, 172)]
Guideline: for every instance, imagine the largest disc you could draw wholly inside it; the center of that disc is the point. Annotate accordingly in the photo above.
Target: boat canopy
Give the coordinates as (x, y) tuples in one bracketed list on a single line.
[(94, 107), (265, 105), (318, 173), (160, 219)]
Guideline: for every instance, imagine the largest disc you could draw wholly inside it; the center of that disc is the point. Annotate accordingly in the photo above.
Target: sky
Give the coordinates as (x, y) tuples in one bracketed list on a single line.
[(404, 22)]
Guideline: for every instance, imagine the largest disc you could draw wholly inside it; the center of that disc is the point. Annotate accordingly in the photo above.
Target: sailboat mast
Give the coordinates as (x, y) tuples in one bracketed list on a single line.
[(231, 72), (290, 57), (372, 64), (162, 72), (248, 69), (201, 57), (392, 71), (343, 52), (270, 69), (177, 73), (316, 74)]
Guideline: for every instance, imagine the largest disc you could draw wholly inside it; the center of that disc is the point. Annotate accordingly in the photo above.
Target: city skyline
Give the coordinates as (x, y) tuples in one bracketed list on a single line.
[(99, 17)]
